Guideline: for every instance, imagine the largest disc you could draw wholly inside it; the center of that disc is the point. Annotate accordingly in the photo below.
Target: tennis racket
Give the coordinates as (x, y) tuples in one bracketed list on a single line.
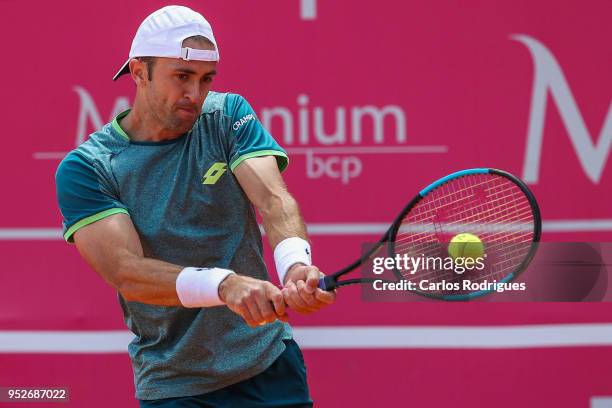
[(491, 204)]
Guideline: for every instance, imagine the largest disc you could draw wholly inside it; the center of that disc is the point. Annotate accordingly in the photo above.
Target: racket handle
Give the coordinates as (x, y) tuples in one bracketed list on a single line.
[(327, 283)]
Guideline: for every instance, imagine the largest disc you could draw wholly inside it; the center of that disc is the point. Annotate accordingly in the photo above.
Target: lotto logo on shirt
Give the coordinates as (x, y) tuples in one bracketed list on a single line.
[(214, 173)]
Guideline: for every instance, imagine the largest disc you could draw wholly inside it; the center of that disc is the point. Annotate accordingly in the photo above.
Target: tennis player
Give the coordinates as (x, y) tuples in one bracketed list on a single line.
[(159, 202)]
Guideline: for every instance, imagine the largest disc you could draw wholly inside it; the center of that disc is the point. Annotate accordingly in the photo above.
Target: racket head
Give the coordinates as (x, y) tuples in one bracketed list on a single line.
[(492, 204)]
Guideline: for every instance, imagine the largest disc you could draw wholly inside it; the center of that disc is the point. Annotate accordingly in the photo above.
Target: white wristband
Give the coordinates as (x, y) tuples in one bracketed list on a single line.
[(289, 252), (199, 287)]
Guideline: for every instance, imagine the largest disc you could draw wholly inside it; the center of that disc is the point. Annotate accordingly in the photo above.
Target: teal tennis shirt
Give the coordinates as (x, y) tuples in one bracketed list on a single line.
[(190, 210)]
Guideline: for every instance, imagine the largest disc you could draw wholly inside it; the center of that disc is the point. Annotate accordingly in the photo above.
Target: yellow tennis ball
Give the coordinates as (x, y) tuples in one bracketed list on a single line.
[(466, 245)]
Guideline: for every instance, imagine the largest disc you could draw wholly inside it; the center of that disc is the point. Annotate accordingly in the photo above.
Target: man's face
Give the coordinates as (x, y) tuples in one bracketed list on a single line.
[(177, 89)]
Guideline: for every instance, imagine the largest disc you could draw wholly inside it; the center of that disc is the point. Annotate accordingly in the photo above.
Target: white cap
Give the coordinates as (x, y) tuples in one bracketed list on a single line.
[(162, 33)]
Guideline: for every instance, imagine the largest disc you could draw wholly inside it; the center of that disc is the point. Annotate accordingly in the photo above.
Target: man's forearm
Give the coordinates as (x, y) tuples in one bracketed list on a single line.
[(281, 219), (263, 184), (112, 248), (156, 282), (148, 280), (286, 233)]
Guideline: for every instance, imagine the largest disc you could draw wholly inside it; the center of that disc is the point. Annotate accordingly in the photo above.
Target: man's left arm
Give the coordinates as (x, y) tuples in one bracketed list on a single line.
[(262, 182)]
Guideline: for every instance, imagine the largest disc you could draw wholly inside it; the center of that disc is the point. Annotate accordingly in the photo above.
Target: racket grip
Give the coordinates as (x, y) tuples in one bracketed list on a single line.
[(327, 283)]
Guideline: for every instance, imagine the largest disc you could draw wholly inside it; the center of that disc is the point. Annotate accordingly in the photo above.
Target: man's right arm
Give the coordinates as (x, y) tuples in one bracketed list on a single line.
[(111, 246)]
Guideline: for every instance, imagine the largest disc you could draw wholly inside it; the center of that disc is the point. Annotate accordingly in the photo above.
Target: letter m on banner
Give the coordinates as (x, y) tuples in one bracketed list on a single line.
[(549, 77), (88, 113)]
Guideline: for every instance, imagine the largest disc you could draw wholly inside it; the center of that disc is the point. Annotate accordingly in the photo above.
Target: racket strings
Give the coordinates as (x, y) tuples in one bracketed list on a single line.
[(501, 229), (481, 220), (434, 207), (501, 226), (517, 224), (490, 245), (488, 206), (496, 207), (433, 211)]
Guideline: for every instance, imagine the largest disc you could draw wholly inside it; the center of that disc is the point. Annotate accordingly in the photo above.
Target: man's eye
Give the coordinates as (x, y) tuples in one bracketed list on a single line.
[(208, 79), (182, 77)]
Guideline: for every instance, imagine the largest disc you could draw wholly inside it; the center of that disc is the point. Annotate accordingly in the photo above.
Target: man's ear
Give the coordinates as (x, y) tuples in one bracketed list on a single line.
[(138, 71)]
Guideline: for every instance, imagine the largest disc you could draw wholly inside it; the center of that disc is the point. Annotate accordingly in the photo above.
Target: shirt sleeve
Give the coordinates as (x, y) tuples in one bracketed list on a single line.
[(80, 196), (248, 138)]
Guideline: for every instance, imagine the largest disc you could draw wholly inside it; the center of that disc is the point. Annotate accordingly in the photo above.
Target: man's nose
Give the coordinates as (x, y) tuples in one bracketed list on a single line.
[(194, 93)]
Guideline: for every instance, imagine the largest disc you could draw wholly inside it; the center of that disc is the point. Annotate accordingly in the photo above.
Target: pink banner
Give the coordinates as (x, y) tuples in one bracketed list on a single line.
[(373, 101)]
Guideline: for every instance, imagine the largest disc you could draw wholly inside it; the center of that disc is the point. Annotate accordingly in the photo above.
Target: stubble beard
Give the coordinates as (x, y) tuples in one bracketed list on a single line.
[(169, 118), (175, 123)]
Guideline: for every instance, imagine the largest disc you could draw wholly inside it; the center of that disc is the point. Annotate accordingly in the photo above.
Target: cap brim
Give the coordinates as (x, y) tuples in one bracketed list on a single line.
[(125, 69)]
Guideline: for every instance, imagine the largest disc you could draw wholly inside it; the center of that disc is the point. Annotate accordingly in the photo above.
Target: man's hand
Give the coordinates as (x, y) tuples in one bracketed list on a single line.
[(301, 291), (257, 302)]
